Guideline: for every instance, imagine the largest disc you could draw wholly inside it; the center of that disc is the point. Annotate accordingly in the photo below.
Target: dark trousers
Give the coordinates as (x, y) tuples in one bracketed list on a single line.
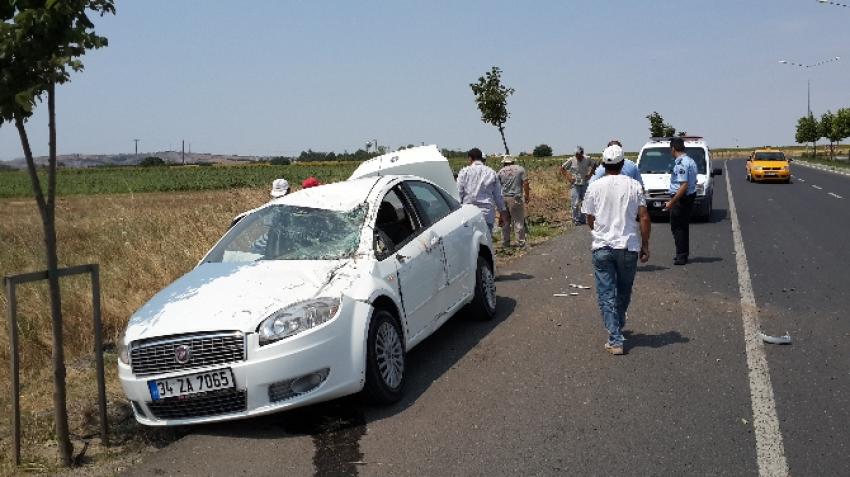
[(680, 219)]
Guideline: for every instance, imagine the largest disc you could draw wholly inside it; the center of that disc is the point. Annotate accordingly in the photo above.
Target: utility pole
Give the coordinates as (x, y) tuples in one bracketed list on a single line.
[(183, 152), (137, 147), (809, 96)]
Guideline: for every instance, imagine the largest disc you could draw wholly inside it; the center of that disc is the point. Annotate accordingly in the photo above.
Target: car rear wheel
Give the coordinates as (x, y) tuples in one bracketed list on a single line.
[(385, 359), (483, 304)]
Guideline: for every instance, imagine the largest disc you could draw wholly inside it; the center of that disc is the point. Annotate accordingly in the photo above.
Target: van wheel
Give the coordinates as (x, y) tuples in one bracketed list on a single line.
[(483, 304), (385, 359)]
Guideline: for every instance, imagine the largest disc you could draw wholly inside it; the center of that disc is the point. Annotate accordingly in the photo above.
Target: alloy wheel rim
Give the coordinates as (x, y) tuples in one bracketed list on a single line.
[(390, 355), (489, 283)]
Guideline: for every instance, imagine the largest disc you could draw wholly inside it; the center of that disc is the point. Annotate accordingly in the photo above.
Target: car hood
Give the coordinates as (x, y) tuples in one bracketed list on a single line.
[(662, 181), (770, 163), (235, 296)]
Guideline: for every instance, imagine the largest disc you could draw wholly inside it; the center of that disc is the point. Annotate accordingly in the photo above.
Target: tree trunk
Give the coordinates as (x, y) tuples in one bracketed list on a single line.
[(59, 391), (502, 132), (46, 208)]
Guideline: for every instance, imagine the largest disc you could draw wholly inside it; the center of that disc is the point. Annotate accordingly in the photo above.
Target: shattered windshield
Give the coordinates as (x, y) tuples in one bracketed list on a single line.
[(286, 232)]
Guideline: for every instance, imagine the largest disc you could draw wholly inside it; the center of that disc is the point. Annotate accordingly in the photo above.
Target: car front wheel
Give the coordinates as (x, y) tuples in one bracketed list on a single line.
[(384, 359), (483, 304)]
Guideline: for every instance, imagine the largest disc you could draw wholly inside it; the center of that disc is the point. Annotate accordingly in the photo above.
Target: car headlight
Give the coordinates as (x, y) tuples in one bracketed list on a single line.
[(700, 189), (758, 168), (297, 318), (123, 351), (785, 167)]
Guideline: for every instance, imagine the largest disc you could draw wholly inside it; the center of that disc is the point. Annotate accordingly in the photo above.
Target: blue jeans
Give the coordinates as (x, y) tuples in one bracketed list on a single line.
[(615, 273), (576, 196)]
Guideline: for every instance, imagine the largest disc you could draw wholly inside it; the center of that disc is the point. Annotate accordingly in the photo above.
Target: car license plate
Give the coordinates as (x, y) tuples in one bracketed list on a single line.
[(191, 384), (657, 203), (769, 174)]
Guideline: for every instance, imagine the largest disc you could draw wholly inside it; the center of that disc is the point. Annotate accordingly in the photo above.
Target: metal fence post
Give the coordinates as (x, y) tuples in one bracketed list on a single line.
[(15, 368), (98, 352)]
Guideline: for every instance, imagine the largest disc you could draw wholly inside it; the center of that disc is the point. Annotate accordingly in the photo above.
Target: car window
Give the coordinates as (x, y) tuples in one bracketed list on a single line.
[(287, 232), (769, 156), (659, 160), (430, 202), (394, 223)]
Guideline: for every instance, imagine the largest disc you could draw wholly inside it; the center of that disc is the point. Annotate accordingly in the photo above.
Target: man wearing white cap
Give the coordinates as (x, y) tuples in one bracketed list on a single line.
[(577, 170), (611, 205), (516, 191), (280, 187)]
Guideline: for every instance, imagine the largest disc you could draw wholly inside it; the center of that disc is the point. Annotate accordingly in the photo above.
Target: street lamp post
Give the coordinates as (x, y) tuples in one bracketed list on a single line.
[(809, 80)]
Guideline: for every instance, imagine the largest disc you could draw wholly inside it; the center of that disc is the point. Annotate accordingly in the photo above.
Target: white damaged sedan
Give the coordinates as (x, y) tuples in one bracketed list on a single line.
[(313, 296)]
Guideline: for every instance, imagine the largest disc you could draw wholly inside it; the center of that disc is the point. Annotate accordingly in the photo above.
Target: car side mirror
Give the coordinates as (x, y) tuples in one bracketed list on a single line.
[(382, 245), (790, 159), (717, 172)]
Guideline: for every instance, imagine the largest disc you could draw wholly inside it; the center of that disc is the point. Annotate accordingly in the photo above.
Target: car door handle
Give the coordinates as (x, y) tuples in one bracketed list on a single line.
[(401, 258)]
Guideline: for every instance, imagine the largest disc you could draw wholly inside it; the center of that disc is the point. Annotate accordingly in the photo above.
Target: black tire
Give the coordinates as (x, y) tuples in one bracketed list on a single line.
[(705, 211), (385, 359), (483, 306)]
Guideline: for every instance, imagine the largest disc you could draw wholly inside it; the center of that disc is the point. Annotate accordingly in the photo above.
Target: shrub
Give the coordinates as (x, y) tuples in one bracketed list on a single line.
[(542, 150), (152, 161)]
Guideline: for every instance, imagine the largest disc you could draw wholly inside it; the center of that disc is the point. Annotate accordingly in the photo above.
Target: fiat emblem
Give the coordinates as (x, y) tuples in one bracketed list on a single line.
[(182, 354)]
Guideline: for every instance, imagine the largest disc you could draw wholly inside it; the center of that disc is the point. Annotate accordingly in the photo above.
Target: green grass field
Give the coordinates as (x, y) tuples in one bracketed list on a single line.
[(121, 180)]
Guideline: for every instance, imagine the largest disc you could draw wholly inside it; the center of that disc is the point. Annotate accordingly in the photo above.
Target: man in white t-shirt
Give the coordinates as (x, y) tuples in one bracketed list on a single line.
[(611, 205)]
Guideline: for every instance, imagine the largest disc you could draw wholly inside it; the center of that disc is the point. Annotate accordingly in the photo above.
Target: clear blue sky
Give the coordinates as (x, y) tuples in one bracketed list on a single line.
[(277, 77)]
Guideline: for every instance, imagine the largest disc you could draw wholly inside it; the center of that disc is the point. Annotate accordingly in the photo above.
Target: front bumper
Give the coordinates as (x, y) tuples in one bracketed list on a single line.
[(770, 175), (338, 346), (655, 204)]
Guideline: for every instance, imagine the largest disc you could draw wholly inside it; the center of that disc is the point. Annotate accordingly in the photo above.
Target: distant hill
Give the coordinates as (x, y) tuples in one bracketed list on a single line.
[(96, 160)]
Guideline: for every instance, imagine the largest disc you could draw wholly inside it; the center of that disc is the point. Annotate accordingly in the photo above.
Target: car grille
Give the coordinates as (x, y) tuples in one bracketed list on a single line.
[(157, 356), (658, 193), (212, 403), (771, 168)]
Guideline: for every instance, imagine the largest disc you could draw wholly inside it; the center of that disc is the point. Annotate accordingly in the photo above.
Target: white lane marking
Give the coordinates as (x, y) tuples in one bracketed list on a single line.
[(835, 195), (801, 180), (817, 187), (770, 450)]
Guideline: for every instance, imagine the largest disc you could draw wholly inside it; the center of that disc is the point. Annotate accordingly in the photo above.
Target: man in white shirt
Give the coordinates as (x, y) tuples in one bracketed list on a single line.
[(611, 205), (479, 185)]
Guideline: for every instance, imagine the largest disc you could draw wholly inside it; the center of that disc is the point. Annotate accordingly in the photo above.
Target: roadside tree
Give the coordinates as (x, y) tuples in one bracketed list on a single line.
[(830, 129), (491, 96), (41, 42), (842, 122), (657, 127), (542, 150), (808, 131)]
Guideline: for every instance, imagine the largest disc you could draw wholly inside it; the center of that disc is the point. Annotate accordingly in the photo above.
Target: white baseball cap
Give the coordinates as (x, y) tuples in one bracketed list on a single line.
[(613, 155), (280, 187), (579, 150), (507, 159)]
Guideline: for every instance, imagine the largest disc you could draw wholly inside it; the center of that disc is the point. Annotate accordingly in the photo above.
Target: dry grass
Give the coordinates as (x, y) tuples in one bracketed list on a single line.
[(142, 242)]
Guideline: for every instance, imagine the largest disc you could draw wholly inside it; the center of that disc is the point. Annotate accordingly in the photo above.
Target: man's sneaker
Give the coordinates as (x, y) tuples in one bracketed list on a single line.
[(614, 349)]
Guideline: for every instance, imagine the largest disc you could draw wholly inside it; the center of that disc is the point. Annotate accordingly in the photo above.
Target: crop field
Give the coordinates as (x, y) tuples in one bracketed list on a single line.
[(142, 241), (121, 180)]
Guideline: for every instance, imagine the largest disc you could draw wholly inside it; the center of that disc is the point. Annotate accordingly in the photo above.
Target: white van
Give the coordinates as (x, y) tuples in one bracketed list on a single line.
[(656, 162)]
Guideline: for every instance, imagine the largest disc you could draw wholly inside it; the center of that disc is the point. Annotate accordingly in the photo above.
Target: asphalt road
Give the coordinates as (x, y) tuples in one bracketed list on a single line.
[(534, 393)]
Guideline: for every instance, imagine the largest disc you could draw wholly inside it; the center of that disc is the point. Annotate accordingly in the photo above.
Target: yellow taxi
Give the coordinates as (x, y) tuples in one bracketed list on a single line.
[(768, 165)]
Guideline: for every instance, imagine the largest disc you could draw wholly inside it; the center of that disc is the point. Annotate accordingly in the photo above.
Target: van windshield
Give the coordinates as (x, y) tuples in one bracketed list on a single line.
[(659, 160)]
